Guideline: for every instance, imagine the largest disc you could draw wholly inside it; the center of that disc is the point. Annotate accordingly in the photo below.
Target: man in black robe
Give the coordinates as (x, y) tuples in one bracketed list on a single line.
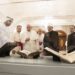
[(71, 40), (51, 40)]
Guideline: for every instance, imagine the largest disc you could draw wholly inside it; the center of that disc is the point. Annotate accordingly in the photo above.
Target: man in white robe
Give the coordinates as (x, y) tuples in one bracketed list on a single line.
[(5, 43), (40, 39), (30, 41), (16, 37)]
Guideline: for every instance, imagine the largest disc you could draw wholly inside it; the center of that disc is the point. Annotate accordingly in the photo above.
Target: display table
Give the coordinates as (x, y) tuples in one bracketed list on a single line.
[(19, 66)]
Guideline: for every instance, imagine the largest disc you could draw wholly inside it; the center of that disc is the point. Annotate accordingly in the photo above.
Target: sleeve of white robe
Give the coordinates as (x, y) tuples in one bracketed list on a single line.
[(12, 37), (3, 37), (23, 37)]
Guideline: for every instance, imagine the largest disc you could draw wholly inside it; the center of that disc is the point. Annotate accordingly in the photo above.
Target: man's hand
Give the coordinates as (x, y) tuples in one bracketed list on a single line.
[(27, 39), (40, 43), (13, 51)]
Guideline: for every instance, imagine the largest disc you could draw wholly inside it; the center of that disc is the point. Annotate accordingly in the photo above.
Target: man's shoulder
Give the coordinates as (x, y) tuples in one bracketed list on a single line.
[(46, 33), (54, 32), (71, 34), (33, 31), (2, 28)]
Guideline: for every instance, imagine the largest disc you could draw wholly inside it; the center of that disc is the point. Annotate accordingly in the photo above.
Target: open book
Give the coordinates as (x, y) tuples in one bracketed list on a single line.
[(69, 57), (27, 53)]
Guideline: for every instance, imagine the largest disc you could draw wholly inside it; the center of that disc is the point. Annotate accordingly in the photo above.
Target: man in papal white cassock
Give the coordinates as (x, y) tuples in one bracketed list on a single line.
[(30, 41)]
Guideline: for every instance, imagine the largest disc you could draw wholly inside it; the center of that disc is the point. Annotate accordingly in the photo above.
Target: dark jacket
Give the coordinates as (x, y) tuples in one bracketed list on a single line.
[(51, 40), (71, 42)]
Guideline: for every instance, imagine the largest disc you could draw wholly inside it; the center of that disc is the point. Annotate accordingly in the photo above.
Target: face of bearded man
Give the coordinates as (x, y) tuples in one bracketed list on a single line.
[(8, 22)]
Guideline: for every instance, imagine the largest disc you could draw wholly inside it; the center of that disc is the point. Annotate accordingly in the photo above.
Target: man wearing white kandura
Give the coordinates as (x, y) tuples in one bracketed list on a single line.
[(6, 45)]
